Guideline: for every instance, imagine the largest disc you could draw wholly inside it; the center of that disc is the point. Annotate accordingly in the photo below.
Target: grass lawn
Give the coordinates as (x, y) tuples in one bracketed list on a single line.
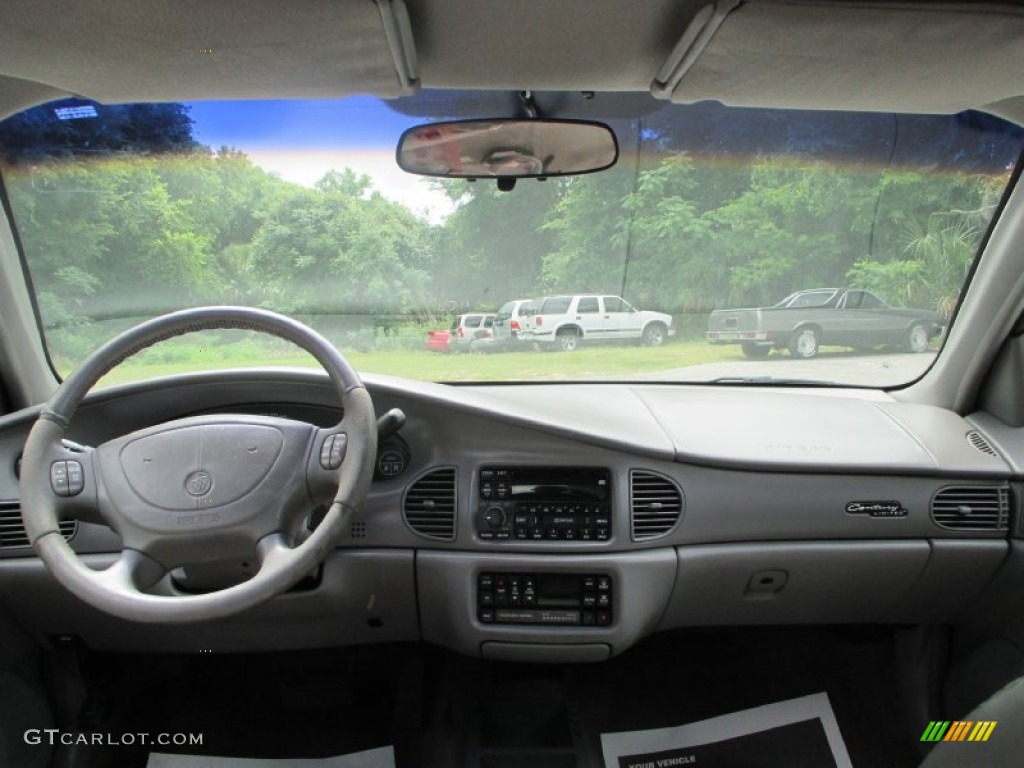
[(597, 362)]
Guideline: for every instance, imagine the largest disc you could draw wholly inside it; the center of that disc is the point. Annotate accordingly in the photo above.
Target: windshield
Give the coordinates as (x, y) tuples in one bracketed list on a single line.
[(690, 243)]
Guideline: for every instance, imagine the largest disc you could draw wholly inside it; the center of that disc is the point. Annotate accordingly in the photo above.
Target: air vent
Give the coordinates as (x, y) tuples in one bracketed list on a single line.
[(656, 504), (12, 530), (429, 506), (978, 440), (972, 508)]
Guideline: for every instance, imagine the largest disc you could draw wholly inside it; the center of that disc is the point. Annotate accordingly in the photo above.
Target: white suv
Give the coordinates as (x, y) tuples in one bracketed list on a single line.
[(565, 321), (509, 322)]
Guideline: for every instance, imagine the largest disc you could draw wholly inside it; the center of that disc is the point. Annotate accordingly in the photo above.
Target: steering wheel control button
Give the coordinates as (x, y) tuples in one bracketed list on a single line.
[(67, 478), (332, 452), (59, 478), (76, 478)]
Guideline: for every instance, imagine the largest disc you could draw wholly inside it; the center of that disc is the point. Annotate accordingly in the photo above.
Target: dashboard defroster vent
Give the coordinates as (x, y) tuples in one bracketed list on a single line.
[(975, 438), (655, 504), (972, 508), (429, 506), (12, 530)]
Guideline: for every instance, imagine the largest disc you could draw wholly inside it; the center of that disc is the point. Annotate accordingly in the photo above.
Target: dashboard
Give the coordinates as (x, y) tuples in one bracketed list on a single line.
[(567, 522)]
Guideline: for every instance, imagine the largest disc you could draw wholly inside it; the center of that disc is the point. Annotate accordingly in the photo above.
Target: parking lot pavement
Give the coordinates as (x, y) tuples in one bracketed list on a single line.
[(846, 368)]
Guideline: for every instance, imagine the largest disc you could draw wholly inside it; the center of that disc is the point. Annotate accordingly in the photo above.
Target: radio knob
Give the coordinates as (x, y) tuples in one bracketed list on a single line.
[(494, 518)]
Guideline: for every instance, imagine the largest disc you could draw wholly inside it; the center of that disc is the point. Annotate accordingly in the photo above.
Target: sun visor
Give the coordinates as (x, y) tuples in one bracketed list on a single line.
[(150, 50), (889, 57)]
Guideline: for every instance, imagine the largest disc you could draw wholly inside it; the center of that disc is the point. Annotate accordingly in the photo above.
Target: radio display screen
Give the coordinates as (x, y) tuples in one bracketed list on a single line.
[(550, 483)]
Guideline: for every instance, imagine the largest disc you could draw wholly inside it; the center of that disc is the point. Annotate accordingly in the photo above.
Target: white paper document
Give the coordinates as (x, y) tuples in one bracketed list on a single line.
[(798, 733), (383, 757)]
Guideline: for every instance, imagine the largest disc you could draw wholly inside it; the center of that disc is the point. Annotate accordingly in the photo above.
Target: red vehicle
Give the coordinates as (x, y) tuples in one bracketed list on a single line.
[(437, 341)]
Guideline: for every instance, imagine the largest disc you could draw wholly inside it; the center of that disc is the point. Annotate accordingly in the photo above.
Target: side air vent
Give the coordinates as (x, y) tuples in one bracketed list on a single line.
[(655, 503), (978, 440), (972, 508), (12, 530), (429, 506)]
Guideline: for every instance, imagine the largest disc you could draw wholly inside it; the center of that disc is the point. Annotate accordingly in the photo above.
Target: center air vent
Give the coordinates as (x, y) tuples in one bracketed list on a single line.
[(12, 530), (429, 507), (655, 503), (972, 508)]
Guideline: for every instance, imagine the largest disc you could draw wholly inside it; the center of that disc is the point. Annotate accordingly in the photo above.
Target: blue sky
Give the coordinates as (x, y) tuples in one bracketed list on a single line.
[(362, 122), (301, 140)]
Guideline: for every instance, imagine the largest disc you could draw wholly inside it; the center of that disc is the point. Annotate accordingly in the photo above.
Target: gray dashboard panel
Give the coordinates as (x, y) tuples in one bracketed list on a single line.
[(829, 582), (956, 574), (805, 582), (758, 483), (364, 596), (790, 431)]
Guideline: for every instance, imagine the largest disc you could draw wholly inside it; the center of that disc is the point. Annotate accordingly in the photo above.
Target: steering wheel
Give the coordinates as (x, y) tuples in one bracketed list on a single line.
[(197, 489)]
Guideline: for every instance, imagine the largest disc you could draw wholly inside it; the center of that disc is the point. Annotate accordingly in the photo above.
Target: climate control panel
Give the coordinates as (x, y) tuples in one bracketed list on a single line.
[(545, 599)]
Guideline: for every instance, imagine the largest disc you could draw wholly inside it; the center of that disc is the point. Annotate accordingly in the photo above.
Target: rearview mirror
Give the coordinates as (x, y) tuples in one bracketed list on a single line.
[(501, 148)]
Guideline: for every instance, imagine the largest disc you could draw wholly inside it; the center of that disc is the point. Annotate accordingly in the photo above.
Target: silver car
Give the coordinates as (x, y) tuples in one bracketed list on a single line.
[(468, 328)]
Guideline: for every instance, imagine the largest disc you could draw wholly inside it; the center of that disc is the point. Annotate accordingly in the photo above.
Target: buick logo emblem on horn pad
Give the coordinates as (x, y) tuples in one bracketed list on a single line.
[(198, 483)]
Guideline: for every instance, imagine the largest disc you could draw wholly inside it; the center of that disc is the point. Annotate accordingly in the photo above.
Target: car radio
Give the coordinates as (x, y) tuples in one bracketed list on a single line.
[(558, 599), (544, 503)]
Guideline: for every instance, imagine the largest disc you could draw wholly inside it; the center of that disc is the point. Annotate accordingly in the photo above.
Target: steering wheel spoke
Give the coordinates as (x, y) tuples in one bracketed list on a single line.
[(272, 551), (133, 571)]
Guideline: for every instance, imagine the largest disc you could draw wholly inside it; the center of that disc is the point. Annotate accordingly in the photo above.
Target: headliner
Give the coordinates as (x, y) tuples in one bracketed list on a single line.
[(913, 57)]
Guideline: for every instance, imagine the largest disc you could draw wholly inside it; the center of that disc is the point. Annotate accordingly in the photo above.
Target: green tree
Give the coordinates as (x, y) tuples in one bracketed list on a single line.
[(937, 241), (492, 245), (590, 246), (799, 225), (335, 248)]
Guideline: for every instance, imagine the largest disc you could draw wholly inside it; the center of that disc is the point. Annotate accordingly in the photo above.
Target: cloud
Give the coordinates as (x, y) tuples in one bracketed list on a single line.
[(307, 166)]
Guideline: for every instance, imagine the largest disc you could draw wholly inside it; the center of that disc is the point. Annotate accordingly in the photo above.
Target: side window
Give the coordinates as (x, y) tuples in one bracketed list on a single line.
[(615, 304), (815, 299), (803, 300), (558, 305), (870, 301), (489, 321), (588, 305), (455, 324), (854, 299)]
